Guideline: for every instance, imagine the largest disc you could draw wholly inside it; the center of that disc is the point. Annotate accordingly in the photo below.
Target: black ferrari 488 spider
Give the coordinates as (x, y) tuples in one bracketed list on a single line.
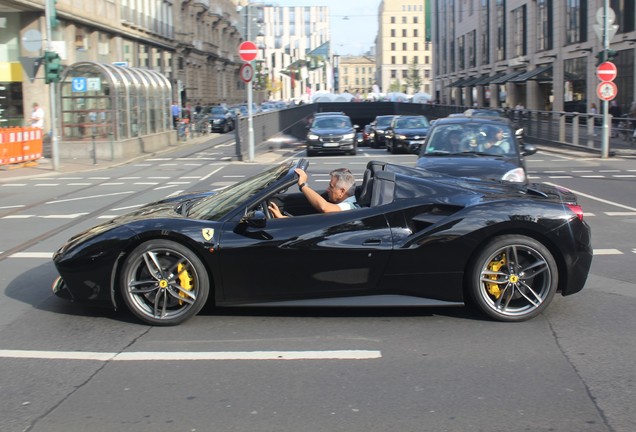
[(418, 238)]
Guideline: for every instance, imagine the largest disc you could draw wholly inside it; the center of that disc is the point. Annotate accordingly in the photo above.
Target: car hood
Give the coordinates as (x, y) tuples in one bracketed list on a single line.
[(217, 116), (412, 132), (479, 167)]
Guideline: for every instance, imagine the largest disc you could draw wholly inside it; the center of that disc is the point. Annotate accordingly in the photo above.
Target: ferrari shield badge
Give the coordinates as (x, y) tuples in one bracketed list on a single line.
[(207, 233)]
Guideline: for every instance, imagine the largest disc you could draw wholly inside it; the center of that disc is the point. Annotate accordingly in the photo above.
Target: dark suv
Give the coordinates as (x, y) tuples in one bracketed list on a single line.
[(331, 133), (480, 147)]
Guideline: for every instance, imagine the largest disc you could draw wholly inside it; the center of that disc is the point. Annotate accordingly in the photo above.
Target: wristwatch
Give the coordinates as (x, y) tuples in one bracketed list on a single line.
[(301, 186)]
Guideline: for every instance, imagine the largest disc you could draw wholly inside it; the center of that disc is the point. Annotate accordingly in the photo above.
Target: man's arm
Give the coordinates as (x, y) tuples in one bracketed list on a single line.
[(314, 198)]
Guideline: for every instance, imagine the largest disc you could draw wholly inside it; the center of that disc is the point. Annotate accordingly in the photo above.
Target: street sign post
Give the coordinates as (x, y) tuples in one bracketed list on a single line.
[(248, 51), (606, 71), (246, 72), (606, 90)]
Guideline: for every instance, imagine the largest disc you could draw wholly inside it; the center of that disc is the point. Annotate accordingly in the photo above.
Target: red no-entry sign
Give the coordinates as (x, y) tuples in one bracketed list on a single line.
[(248, 51), (606, 71)]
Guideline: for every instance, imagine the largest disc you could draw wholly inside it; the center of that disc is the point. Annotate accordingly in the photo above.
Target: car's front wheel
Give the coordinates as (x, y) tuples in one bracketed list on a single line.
[(164, 283), (513, 278)]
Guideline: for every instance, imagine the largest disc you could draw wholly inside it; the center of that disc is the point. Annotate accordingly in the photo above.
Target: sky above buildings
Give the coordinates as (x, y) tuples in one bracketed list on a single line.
[(354, 23)]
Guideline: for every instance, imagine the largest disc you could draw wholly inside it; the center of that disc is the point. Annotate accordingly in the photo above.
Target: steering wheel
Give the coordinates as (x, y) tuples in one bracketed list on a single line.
[(265, 209)]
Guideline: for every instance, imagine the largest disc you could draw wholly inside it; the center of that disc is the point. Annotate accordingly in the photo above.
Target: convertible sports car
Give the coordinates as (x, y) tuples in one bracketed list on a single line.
[(418, 238)]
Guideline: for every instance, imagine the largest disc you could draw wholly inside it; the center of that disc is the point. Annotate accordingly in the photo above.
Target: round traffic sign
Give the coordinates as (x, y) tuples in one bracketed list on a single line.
[(606, 71), (606, 90), (246, 72), (248, 51)]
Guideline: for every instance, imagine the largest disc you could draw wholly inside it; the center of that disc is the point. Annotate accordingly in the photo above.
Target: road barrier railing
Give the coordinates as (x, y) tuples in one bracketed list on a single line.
[(20, 146)]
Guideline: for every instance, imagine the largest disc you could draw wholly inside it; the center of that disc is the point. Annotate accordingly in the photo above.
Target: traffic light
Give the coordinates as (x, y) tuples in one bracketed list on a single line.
[(606, 55), (52, 67), (600, 57), (52, 13)]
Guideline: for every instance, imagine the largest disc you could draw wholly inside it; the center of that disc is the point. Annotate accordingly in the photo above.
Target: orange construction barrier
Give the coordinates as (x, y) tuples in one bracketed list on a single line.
[(20, 146)]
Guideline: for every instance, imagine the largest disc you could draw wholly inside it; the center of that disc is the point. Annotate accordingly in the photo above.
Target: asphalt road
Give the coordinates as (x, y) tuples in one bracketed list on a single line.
[(69, 368)]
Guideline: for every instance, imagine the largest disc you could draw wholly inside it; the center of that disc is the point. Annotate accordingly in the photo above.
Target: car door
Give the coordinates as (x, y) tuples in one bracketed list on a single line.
[(322, 255)]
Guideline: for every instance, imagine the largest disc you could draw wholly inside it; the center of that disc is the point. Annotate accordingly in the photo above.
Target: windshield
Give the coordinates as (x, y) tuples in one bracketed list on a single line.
[(383, 121), (332, 123), (411, 123), (218, 205), (470, 138), (217, 110)]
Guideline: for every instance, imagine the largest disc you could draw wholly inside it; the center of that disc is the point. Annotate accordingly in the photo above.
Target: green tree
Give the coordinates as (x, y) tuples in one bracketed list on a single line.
[(413, 78), (395, 86)]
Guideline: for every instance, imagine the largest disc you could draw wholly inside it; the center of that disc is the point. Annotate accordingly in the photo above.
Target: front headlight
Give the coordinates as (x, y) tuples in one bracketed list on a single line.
[(380, 132), (312, 137), (348, 136), (401, 137), (517, 175)]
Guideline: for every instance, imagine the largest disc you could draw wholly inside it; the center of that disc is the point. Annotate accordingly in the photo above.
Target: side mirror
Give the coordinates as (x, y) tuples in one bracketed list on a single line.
[(528, 149), (255, 219)]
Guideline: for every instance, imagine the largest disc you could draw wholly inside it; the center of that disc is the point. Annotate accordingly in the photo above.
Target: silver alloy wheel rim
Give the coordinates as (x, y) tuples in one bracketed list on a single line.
[(520, 275), (162, 284)]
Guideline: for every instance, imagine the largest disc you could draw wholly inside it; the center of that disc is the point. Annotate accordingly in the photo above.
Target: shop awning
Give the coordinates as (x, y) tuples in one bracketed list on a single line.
[(469, 82), (535, 74), (487, 79), (457, 83), (506, 77)]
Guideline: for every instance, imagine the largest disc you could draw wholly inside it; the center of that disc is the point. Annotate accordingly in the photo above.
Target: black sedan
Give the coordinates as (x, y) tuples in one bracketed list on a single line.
[(221, 119), (480, 147), (418, 238), (406, 134)]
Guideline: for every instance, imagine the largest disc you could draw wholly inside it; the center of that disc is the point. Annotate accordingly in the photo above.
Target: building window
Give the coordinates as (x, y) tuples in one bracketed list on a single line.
[(403, 32), (415, 20), (544, 25), (405, 73), (404, 60), (415, 33), (393, 73), (403, 20), (576, 21), (392, 59), (461, 52), (500, 8), (625, 12), (392, 46), (392, 20), (416, 59), (519, 31), (484, 35), (472, 49), (416, 46), (404, 48), (392, 32)]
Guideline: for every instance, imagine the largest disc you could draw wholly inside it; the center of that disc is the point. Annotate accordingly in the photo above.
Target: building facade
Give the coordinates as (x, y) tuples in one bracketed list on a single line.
[(357, 75), (404, 55), (193, 43), (540, 54), (295, 51)]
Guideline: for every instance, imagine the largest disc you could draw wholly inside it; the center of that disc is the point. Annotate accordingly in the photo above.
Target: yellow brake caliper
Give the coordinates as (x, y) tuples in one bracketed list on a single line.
[(495, 266), (185, 280)]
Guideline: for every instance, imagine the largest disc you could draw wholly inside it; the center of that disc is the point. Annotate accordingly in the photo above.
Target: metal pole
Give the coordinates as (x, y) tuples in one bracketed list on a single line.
[(250, 120), (55, 151), (606, 116)]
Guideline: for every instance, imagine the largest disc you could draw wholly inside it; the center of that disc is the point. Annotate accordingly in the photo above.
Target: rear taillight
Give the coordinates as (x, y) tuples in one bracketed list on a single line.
[(577, 209)]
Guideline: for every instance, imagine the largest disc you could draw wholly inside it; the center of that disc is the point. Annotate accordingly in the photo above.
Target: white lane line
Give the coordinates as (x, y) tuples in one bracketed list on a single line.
[(127, 207), (79, 184), (172, 356), (212, 173), (90, 197), (112, 184), (32, 255), (165, 187), (594, 198), (11, 207), (98, 178), (18, 216), (593, 176), (624, 175), (46, 184), (146, 183), (14, 184), (61, 216), (607, 252), (620, 213)]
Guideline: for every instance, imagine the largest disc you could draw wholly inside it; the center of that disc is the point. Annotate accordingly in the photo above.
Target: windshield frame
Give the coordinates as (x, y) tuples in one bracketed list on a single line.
[(239, 195)]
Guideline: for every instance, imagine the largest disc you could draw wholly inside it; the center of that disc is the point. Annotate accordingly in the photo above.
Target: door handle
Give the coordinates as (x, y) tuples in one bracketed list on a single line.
[(372, 242)]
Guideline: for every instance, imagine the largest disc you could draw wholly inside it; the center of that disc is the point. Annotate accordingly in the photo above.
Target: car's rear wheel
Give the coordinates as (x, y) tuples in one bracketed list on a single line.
[(164, 283), (513, 278)]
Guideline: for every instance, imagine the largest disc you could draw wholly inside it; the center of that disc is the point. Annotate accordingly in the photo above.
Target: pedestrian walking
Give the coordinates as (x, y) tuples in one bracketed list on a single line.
[(37, 116), (176, 114)]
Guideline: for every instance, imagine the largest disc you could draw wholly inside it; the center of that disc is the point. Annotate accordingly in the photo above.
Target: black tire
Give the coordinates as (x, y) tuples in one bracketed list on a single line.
[(513, 278), (164, 283)]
